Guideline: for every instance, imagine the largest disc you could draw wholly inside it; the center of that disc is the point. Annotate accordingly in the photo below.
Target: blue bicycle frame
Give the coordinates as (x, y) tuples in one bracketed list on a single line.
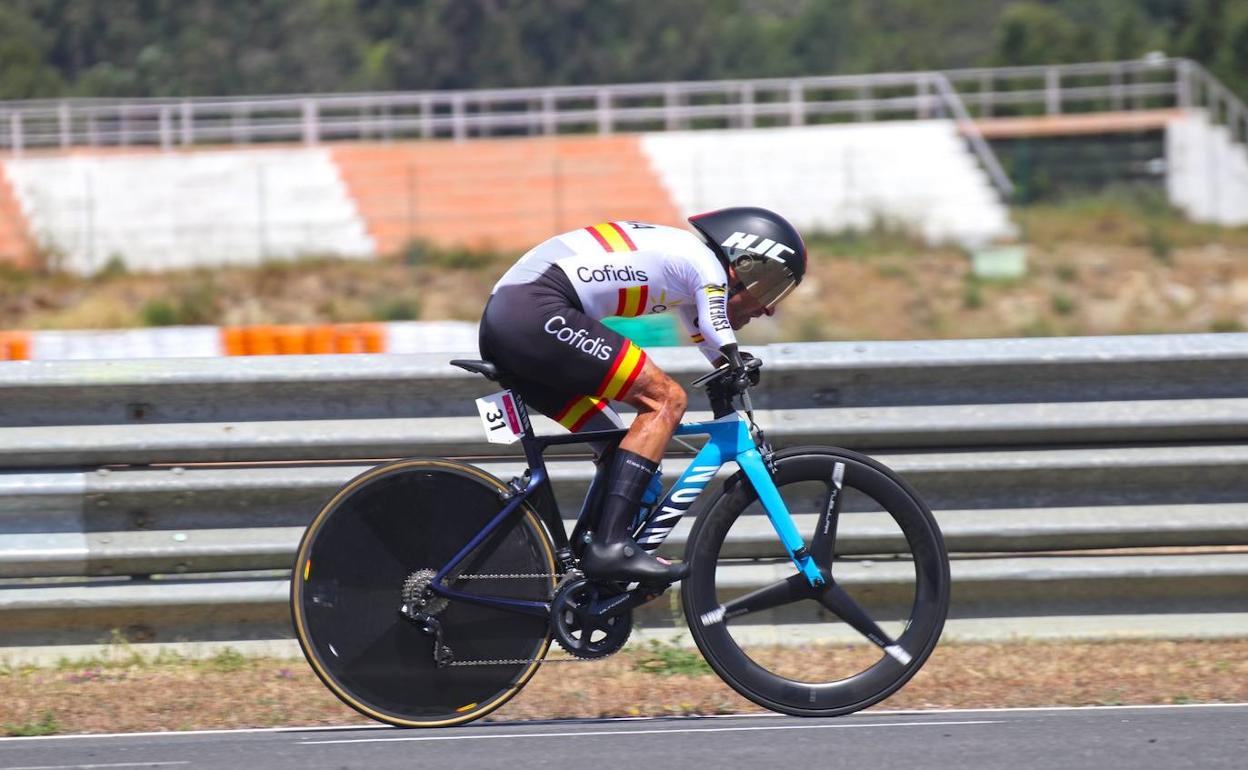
[(730, 440)]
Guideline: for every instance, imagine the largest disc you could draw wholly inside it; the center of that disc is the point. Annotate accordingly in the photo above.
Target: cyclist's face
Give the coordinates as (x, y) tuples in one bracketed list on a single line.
[(743, 308)]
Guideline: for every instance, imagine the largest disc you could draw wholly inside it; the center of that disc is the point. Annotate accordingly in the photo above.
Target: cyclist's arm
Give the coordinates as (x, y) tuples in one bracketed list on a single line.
[(689, 319)]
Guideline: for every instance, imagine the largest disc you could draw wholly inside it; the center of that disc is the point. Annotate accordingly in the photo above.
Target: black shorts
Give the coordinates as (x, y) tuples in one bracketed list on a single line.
[(563, 363)]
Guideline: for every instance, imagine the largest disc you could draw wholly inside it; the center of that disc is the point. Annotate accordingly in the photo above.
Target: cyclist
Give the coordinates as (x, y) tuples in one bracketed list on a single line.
[(542, 327)]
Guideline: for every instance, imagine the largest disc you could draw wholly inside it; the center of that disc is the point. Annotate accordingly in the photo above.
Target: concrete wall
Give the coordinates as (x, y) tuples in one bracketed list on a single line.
[(1207, 172)]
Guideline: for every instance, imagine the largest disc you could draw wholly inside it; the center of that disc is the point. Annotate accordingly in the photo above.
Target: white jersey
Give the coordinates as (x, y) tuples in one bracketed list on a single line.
[(632, 268)]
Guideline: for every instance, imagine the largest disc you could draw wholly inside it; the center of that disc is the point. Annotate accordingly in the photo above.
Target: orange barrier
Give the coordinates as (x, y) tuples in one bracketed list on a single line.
[(14, 346), (266, 340)]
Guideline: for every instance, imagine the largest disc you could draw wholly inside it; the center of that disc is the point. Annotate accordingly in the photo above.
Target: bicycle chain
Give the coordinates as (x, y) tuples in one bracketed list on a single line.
[(517, 661)]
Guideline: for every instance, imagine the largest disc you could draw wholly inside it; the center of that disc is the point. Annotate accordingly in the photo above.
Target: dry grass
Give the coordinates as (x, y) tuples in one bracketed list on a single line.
[(1119, 263), (229, 691)]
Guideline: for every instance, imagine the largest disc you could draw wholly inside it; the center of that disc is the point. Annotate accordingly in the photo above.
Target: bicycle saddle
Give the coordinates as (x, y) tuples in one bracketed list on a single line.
[(483, 368)]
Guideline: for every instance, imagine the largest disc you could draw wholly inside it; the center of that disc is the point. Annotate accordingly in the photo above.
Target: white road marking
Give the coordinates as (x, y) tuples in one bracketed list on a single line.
[(670, 731), (614, 720), (91, 766)]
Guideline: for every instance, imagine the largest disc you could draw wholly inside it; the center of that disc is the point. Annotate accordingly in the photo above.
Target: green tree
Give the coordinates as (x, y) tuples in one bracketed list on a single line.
[(1033, 33), (24, 72)]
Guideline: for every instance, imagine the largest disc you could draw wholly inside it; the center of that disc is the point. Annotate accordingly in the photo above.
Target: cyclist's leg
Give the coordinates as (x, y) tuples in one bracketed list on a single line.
[(613, 554), (535, 331)]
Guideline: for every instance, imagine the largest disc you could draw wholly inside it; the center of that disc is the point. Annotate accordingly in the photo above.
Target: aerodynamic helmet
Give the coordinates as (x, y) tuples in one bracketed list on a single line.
[(766, 251)]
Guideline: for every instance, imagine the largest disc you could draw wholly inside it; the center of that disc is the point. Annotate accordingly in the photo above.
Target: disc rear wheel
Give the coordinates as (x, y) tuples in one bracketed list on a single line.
[(366, 557)]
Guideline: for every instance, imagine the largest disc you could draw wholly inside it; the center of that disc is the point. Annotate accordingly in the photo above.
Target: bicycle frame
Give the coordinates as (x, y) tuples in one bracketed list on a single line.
[(730, 440)]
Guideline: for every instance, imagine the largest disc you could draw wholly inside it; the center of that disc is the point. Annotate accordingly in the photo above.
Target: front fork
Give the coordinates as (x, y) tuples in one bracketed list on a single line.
[(759, 466)]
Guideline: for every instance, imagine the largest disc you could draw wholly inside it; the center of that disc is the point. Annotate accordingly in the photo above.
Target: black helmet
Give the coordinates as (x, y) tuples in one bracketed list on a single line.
[(764, 249)]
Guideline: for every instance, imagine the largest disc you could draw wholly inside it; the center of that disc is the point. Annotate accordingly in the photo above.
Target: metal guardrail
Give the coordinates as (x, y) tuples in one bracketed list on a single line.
[(1071, 476)]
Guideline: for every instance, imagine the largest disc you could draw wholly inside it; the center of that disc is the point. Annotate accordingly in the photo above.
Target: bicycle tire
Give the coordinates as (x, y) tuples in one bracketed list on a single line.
[(346, 594), (718, 559)]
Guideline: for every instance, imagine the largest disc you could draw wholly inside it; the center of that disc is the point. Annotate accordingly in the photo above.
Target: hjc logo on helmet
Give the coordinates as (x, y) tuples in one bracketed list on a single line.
[(767, 247)]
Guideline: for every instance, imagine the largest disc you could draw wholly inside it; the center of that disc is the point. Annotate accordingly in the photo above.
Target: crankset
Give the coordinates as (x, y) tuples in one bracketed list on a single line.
[(589, 621)]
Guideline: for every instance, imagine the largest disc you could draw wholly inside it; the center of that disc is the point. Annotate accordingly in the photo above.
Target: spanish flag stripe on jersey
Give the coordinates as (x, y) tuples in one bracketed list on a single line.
[(611, 237), (631, 302), (627, 367), (698, 338), (641, 364), (596, 406), (598, 237), (623, 236), (577, 412)]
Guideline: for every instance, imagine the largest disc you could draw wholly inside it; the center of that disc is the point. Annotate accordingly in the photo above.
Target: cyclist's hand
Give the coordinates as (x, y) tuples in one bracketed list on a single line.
[(743, 370), (751, 368)]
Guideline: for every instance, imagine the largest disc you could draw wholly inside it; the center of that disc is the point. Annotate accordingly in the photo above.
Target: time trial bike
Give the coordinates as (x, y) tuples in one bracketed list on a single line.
[(427, 591)]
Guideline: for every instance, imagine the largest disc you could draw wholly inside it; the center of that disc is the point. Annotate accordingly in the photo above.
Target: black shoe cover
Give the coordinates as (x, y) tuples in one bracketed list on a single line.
[(627, 562)]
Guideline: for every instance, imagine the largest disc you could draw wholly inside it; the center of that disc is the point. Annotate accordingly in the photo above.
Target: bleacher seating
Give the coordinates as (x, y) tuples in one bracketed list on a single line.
[(498, 194), (916, 175), (168, 210), (1208, 171), (15, 245), (165, 210)]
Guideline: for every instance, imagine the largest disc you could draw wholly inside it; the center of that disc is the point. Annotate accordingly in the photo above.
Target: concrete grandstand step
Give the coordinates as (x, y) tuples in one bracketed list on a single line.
[(167, 210), (15, 244), (518, 192), (904, 173)]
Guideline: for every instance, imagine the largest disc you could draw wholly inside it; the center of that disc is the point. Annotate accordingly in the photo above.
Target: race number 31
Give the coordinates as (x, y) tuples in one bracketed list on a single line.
[(500, 418)]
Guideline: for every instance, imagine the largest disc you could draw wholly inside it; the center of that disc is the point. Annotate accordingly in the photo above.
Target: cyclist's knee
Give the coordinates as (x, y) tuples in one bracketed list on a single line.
[(654, 391), (677, 399)]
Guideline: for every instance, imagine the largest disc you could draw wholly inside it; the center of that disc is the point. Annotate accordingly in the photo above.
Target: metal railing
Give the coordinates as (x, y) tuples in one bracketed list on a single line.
[(1147, 83), (1071, 477)]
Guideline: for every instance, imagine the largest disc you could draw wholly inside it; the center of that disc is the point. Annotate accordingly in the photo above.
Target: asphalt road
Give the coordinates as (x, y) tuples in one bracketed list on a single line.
[(1063, 739)]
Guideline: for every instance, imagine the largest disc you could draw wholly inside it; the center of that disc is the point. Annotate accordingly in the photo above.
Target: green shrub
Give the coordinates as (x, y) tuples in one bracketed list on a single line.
[(158, 312), (670, 659), (46, 725), (397, 310), (1063, 304)]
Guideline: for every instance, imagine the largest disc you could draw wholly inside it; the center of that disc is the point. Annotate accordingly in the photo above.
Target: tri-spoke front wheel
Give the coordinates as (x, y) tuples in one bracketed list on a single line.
[(836, 648)]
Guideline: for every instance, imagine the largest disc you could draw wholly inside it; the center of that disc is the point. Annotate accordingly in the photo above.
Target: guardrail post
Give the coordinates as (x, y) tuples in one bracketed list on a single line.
[(747, 105), (65, 122), (1116, 97), (459, 121), (923, 92), (672, 101), (604, 111), (166, 130), (310, 128), (549, 126), (15, 133), (426, 116), (123, 130), (1052, 91), (1182, 84), (985, 95), (797, 104), (188, 123), (865, 113)]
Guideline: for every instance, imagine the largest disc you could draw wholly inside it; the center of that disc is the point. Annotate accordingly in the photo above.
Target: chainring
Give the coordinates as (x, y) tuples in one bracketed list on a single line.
[(581, 633)]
